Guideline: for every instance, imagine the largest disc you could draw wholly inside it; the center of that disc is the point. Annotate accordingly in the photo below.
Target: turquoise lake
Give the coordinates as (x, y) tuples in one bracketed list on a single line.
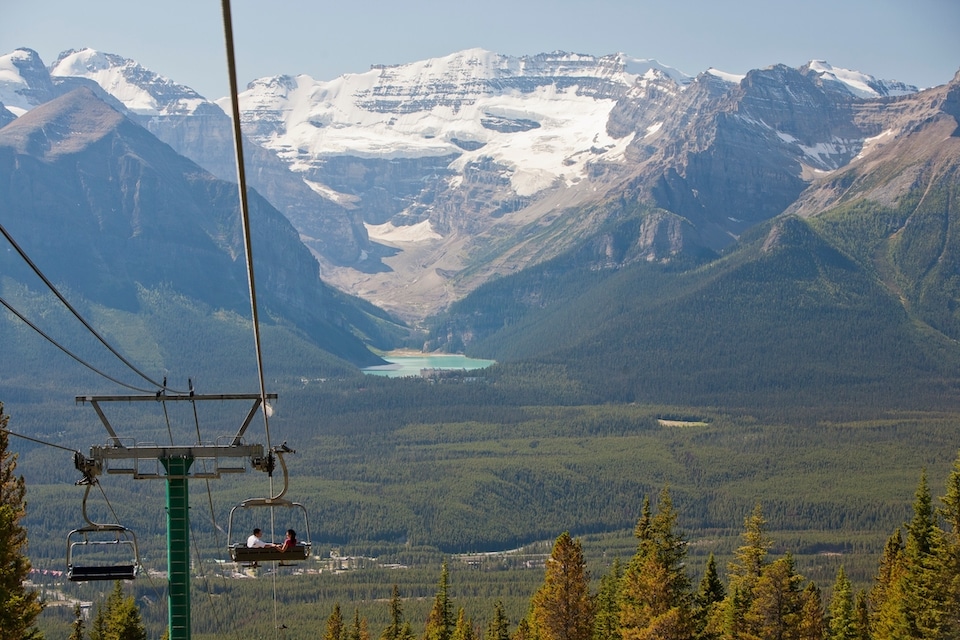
[(411, 365)]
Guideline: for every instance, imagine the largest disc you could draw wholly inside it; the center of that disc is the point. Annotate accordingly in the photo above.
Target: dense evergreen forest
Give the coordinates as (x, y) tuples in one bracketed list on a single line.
[(650, 591), (405, 474)]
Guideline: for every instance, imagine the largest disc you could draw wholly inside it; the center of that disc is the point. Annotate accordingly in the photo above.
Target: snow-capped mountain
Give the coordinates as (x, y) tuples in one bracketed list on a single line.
[(414, 183), (541, 118), (201, 131), (140, 90), (858, 84), (24, 81)]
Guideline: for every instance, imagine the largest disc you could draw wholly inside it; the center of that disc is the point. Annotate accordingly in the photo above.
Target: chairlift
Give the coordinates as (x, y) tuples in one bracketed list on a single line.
[(99, 551), (239, 551), (102, 552)]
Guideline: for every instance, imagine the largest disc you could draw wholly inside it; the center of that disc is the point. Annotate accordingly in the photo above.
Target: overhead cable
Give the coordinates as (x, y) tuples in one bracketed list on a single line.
[(76, 314), (67, 351)]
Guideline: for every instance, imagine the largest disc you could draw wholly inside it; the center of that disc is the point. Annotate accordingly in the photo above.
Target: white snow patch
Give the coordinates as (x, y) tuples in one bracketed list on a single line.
[(732, 78), (824, 155), (652, 129), (388, 232), (875, 142), (343, 199)]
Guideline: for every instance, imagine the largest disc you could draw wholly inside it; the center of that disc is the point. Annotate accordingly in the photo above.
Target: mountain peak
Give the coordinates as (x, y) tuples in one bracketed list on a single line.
[(24, 81), (62, 126), (142, 91), (860, 85)]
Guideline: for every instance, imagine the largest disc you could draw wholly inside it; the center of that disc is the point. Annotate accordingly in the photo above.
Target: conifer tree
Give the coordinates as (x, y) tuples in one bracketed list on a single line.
[(562, 608), (730, 617), (19, 606), (358, 630), (812, 626), (499, 626), (118, 618), (606, 618), (923, 550), (887, 617), (862, 615), (335, 629), (775, 603), (77, 632), (729, 620), (98, 628), (464, 627), (354, 632), (842, 617), (751, 557), (126, 622), (655, 597), (440, 621), (950, 564), (709, 595), (523, 631), (398, 629)]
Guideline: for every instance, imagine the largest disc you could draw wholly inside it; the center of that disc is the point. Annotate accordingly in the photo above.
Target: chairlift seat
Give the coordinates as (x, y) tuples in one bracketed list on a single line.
[(248, 555), (112, 572)]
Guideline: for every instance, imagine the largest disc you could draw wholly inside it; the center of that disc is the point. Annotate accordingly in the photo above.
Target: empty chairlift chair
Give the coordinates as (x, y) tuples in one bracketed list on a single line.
[(102, 552)]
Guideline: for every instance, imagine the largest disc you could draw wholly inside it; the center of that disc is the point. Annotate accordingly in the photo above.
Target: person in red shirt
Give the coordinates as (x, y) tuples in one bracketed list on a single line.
[(290, 542)]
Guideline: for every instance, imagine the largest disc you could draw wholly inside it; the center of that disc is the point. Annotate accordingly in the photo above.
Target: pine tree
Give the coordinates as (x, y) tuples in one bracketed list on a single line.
[(862, 616), (126, 622), (523, 632), (729, 619), (358, 630), (335, 628), (562, 607), (119, 618), (19, 607), (440, 622), (398, 629), (812, 626), (606, 617), (842, 617), (709, 595), (98, 628), (950, 565), (775, 603), (655, 597), (888, 617), (354, 632), (499, 627), (77, 633), (464, 627), (750, 557), (923, 549)]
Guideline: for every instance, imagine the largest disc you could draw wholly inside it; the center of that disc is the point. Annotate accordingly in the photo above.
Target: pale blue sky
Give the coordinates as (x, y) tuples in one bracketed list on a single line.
[(915, 41)]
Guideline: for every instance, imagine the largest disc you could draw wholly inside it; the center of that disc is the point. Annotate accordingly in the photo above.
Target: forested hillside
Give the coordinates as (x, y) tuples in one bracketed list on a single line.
[(786, 320)]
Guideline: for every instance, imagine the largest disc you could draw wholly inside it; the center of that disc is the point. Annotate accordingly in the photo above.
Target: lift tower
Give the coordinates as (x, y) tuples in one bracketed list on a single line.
[(145, 461)]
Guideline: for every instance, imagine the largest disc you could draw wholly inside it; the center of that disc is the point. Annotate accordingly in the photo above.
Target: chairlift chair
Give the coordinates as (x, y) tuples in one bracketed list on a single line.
[(241, 553), (102, 552)]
